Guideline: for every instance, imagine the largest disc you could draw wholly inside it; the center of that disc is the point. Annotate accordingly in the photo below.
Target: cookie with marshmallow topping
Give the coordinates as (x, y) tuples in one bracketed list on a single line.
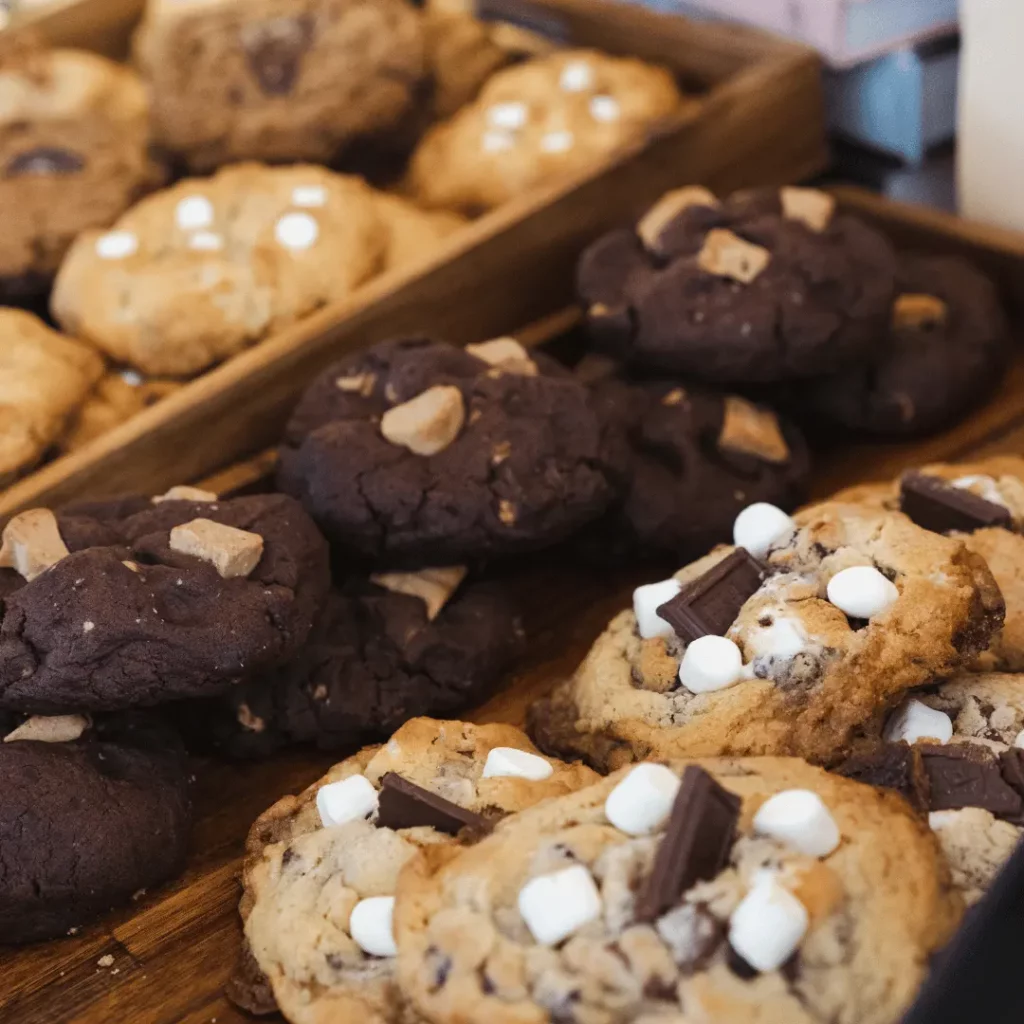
[(416, 452), (804, 919), (847, 612), (314, 862)]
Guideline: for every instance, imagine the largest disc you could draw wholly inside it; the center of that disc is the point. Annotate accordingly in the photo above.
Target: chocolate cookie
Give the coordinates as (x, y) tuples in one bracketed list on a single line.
[(183, 599), (376, 658), (763, 287), (947, 348), (416, 451), (86, 821)]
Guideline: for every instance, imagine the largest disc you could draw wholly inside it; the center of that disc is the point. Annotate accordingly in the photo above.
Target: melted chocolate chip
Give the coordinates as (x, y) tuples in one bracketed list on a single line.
[(44, 160), (942, 508), (275, 49)]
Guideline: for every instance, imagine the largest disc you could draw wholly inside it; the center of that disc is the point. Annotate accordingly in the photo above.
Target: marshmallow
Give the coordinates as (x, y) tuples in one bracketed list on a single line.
[(800, 819), (297, 231), (766, 929), (862, 592), (605, 109), (643, 800), (556, 905), (938, 820), (309, 195), (519, 763), (132, 378), (116, 245), (370, 926), (349, 800), (711, 663), (194, 212), (497, 142), (508, 116), (557, 142), (576, 76), (784, 639), (914, 721), (759, 526), (646, 602), (984, 486)]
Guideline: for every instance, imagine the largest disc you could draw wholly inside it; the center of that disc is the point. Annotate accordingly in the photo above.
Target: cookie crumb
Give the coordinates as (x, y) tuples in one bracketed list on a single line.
[(105, 961)]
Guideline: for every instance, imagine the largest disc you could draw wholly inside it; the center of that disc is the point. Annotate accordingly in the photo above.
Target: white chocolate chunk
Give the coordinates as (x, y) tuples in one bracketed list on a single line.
[(800, 819), (918, 312), (727, 255), (642, 802), (577, 76), (502, 761), (193, 213), (1019, 741), (646, 602), (605, 109), (358, 383), (370, 926), (497, 142), (667, 208), (556, 905), (811, 206), (182, 492), (759, 526), (862, 592), (351, 799), (766, 929), (711, 663), (557, 142), (297, 231), (32, 543), (752, 431), (116, 245), (508, 116), (231, 551), (434, 587), (505, 353), (309, 195), (428, 423), (206, 241), (49, 729), (914, 720)]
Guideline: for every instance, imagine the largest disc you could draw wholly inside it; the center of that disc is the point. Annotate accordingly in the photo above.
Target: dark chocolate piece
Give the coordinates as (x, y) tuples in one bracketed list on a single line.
[(894, 766), (696, 843), (1011, 766), (44, 160), (937, 506), (709, 605), (403, 804), (967, 776), (248, 987), (275, 49)]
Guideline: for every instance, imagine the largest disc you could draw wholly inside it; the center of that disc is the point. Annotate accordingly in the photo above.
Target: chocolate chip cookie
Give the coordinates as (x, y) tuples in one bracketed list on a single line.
[(792, 652), (763, 287), (416, 451), (183, 599), (321, 868), (382, 651), (90, 813), (739, 890)]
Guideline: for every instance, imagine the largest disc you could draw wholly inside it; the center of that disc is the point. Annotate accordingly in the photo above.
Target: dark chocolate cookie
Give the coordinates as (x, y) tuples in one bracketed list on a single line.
[(374, 660), (417, 451), (87, 823), (765, 286), (162, 605), (947, 348)]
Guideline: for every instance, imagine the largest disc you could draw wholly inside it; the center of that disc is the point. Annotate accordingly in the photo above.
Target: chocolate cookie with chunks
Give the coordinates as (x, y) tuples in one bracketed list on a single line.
[(417, 452), (321, 868), (720, 891), (182, 599), (765, 286), (91, 812)]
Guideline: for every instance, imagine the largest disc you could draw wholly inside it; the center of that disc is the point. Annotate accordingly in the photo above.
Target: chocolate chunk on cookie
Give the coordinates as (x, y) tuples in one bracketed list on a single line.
[(765, 286), (87, 822)]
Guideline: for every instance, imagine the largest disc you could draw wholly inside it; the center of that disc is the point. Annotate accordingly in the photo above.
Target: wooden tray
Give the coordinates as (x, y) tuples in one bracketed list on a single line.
[(761, 122), (173, 950)]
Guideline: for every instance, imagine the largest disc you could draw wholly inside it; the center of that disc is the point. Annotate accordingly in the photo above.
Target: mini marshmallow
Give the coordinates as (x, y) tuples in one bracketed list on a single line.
[(297, 231), (497, 142), (914, 721), (232, 552), (194, 212), (131, 377), (309, 195), (711, 663), (862, 592), (759, 526), (784, 639), (49, 729), (605, 109), (349, 800), (509, 116), (646, 602), (370, 926), (766, 929), (576, 76), (557, 142), (642, 801), (206, 241), (116, 245), (800, 819), (518, 763), (556, 905)]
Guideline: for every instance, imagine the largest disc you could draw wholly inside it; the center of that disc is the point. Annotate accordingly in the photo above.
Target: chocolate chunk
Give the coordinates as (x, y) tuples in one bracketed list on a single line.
[(248, 987), (710, 605), (1011, 766), (891, 766), (275, 49), (44, 160), (937, 506), (403, 804), (696, 844), (968, 776)]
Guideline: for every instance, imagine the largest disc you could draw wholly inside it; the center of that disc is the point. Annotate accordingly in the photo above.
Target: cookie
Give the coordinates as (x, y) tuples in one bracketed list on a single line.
[(277, 80), (763, 287), (418, 452), (793, 654), (413, 233), (646, 896), (183, 599), (46, 378), (540, 123), (376, 658), (696, 459), (306, 885), (1000, 482), (74, 138), (947, 348), (200, 271), (86, 821)]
